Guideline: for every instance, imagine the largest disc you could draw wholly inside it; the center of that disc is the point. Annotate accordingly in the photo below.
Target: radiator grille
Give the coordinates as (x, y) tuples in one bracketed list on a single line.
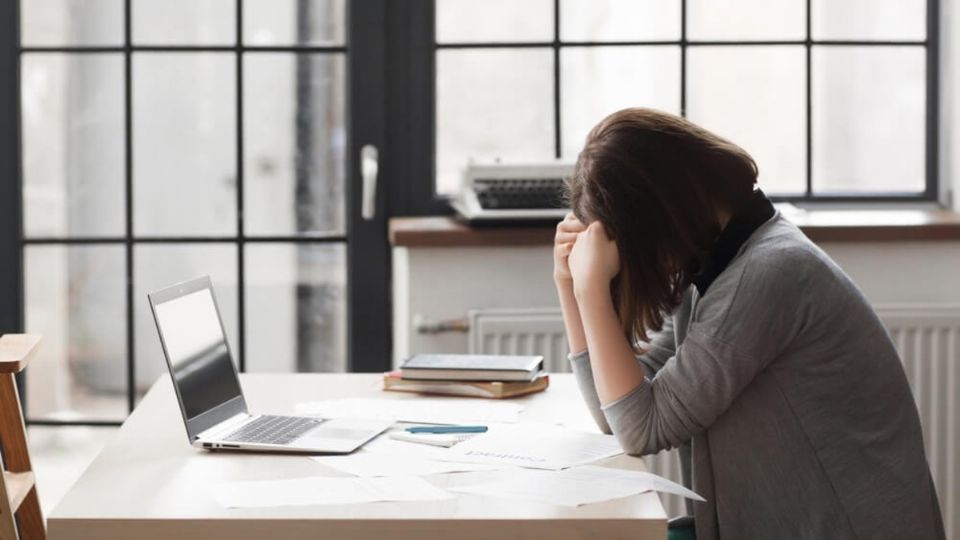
[(927, 338), (521, 331)]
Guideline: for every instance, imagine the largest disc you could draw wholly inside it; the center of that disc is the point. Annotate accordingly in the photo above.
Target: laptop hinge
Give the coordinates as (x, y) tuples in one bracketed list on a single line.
[(228, 425)]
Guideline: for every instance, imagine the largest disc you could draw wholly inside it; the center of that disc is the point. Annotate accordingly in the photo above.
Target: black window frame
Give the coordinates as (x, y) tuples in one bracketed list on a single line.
[(368, 339), (423, 89)]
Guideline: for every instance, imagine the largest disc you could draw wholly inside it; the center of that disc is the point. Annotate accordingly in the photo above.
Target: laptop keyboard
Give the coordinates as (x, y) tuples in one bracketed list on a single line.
[(273, 430)]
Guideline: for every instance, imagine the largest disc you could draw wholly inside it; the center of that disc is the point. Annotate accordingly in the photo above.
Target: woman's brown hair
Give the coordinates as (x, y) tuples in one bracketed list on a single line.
[(657, 181)]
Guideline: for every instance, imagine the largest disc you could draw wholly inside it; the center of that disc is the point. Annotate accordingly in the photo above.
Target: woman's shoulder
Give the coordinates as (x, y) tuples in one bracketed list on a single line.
[(782, 283), (780, 249), (777, 266)]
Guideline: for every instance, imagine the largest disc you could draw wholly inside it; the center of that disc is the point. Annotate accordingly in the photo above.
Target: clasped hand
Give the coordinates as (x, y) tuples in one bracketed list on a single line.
[(584, 255)]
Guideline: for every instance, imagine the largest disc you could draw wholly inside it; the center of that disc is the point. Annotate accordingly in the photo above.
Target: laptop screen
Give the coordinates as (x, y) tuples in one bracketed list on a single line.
[(197, 351)]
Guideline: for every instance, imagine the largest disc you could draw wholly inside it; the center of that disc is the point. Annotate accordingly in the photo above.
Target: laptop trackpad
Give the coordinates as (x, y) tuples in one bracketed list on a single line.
[(342, 430)]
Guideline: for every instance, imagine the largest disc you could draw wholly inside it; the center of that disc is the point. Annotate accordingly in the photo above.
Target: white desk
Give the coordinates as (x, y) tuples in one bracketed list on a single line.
[(148, 483)]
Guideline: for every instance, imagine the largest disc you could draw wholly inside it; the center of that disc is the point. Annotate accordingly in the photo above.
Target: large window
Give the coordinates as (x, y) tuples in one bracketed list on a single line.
[(158, 140), (162, 140), (834, 99)]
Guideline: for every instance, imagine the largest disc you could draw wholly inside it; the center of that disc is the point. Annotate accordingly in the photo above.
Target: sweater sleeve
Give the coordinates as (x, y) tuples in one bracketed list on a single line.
[(666, 411), (658, 351), (737, 333), (583, 373)]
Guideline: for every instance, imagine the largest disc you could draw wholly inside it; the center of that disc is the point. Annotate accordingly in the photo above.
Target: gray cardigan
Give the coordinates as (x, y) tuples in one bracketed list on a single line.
[(782, 376)]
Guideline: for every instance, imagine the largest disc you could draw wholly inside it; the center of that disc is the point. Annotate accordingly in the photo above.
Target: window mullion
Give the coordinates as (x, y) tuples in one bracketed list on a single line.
[(808, 190), (128, 200), (241, 286)]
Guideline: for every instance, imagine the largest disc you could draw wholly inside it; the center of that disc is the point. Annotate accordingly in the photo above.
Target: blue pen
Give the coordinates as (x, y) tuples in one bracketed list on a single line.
[(447, 429)]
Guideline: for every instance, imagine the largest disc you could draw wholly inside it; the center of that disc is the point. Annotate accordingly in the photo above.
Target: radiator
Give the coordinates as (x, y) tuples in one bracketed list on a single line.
[(928, 340), (926, 336)]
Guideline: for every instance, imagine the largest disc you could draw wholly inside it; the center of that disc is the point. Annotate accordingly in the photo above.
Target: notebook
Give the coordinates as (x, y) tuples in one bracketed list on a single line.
[(445, 440), (472, 367)]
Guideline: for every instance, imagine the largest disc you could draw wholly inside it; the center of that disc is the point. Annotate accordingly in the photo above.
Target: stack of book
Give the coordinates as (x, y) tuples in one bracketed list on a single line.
[(488, 376)]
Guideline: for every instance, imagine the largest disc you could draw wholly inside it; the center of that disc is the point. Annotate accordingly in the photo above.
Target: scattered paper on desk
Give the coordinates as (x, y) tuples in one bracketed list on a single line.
[(428, 411), (321, 490), (535, 446), (376, 464), (577, 486)]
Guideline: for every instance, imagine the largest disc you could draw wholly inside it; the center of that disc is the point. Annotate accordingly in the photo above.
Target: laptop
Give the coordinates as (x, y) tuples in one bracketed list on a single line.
[(208, 388)]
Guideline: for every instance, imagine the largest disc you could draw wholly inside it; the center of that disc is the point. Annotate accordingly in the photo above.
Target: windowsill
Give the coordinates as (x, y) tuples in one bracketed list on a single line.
[(821, 225)]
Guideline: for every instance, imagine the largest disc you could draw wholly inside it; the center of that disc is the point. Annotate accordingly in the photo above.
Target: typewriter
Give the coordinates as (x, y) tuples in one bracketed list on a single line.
[(513, 194)]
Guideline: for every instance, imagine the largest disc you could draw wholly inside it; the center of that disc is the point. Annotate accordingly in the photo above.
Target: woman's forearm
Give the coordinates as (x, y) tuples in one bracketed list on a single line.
[(571, 316), (615, 369)]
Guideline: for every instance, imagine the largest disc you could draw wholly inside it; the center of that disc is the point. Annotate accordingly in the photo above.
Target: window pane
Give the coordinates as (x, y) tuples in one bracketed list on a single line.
[(296, 307), (294, 22), (76, 298), (868, 119), (294, 138), (462, 21), (184, 153), (756, 97), (596, 81), (478, 117), (619, 20), (73, 133), (157, 266), (71, 22), (869, 19), (746, 20), (184, 22)]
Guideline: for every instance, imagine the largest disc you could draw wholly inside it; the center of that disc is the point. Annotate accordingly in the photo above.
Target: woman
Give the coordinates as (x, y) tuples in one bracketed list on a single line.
[(699, 315)]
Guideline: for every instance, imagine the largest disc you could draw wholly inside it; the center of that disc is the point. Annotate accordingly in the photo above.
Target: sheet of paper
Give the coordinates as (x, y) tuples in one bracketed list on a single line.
[(426, 410), (536, 446), (576, 486), (320, 490), (384, 456), (375, 464), (385, 445)]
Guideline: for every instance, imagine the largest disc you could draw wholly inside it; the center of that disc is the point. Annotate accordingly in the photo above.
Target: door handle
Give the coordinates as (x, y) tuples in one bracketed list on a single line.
[(369, 168)]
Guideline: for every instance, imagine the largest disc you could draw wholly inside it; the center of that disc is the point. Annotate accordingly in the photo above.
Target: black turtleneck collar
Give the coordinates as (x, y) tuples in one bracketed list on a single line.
[(741, 225)]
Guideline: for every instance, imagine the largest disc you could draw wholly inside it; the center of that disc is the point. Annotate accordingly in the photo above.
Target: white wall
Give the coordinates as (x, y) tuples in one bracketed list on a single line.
[(445, 283)]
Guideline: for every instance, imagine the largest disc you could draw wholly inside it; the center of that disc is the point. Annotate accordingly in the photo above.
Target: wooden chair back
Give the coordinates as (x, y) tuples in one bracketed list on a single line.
[(18, 489)]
